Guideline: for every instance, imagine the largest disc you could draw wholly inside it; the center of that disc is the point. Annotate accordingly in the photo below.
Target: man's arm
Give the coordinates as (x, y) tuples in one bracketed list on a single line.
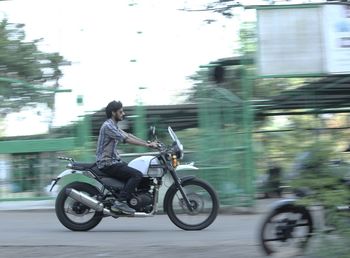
[(135, 138), (132, 139)]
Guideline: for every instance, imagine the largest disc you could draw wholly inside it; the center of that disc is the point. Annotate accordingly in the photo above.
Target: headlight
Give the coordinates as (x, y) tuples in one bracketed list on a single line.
[(155, 172), (155, 169)]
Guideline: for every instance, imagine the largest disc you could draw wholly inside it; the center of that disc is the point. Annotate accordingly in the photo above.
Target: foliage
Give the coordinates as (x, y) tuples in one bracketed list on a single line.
[(323, 179), (248, 38), (233, 69), (27, 75), (222, 7)]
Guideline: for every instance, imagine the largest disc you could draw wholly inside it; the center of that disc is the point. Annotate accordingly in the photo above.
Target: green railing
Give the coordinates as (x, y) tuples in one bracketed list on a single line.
[(222, 149)]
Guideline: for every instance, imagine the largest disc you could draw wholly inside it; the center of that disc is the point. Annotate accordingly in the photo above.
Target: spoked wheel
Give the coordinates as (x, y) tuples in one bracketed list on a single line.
[(286, 231), (73, 214), (203, 200)]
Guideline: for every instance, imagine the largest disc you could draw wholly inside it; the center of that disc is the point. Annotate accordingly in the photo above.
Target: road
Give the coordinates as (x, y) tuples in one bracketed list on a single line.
[(39, 234)]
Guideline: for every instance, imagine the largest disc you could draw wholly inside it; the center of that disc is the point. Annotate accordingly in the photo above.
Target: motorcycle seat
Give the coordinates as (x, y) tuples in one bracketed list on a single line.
[(88, 167), (303, 192), (82, 165), (104, 177)]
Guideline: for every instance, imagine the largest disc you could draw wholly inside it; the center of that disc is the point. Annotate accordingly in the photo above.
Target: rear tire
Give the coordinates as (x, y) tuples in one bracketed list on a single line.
[(67, 208)]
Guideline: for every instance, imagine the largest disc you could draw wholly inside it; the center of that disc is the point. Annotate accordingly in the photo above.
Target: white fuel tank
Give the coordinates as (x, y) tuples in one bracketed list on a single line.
[(143, 163)]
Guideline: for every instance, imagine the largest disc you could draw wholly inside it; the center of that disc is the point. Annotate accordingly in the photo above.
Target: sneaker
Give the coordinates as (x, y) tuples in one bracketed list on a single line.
[(121, 206)]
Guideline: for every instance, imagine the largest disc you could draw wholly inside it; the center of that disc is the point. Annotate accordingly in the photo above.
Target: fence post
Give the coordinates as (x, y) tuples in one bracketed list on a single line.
[(248, 130)]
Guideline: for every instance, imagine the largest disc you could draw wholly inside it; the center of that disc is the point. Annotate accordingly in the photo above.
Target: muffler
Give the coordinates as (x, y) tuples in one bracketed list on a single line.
[(87, 200)]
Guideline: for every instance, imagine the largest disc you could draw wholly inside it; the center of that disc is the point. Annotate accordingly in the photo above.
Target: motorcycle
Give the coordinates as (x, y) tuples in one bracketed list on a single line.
[(289, 226), (190, 203)]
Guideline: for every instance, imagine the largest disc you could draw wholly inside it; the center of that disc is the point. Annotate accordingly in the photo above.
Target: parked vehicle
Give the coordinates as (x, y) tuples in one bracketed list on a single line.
[(190, 203)]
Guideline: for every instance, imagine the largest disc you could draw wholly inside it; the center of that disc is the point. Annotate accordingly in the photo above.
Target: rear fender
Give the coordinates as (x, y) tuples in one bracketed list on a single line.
[(65, 173)]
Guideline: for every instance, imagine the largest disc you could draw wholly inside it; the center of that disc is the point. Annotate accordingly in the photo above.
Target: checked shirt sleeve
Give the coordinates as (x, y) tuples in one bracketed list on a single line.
[(115, 133)]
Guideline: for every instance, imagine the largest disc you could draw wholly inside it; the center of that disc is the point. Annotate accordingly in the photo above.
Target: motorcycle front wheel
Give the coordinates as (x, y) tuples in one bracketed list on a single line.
[(286, 231), (73, 214), (204, 202)]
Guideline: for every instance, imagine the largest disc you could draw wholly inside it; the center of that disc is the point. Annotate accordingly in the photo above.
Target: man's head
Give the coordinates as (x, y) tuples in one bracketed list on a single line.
[(115, 111)]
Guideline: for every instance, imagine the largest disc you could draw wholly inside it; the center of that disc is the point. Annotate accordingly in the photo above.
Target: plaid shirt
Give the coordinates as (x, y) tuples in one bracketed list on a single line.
[(109, 137)]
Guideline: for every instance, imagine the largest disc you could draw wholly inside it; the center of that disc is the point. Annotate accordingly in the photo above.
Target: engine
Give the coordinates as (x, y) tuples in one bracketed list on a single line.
[(141, 201)]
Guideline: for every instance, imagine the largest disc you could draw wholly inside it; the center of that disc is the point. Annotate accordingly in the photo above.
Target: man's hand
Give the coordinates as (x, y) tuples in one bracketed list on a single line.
[(152, 145)]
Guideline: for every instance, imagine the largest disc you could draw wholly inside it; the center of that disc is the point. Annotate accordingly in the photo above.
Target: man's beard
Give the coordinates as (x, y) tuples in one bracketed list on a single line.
[(119, 119)]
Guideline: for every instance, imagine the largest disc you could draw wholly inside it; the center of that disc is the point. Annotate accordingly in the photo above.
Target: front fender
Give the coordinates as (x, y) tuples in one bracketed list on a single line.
[(281, 203), (182, 180), (189, 166)]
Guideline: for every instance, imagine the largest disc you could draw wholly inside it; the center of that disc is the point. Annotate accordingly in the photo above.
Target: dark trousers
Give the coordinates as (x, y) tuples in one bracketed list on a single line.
[(121, 171)]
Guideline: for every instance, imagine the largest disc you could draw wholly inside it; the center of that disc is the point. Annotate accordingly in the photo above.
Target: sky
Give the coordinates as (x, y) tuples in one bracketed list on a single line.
[(101, 38)]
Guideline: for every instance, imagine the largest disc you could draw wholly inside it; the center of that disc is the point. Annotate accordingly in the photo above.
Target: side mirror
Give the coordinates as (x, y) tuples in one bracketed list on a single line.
[(152, 132), (347, 149)]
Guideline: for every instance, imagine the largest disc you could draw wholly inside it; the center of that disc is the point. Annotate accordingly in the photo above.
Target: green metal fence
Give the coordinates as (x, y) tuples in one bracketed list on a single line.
[(28, 165), (220, 153), (225, 153)]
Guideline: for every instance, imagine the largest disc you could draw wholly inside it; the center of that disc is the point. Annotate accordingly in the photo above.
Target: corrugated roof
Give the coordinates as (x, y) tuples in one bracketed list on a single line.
[(329, 94)]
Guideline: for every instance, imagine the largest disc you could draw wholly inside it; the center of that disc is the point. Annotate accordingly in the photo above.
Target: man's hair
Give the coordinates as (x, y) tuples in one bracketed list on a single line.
[(113, 106)]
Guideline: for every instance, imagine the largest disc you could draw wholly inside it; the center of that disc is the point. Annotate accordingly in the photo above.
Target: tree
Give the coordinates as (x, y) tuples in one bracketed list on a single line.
[(222, 7), (227, 72), (27, 75)]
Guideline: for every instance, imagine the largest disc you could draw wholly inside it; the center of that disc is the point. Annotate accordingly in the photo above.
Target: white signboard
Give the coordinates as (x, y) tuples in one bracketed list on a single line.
[(296, 40), (336, 24)]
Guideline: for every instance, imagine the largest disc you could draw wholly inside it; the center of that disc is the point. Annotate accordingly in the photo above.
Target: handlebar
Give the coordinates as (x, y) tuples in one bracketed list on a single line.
[(160, 146), (66, 158)]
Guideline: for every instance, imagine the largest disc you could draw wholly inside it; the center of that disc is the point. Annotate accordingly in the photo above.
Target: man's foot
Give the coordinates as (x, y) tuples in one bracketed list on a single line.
[(122, 206)]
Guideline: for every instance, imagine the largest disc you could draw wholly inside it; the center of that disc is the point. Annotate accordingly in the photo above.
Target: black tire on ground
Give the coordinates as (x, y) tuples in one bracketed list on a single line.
[(173, 216), (287, 209), (62, 215)]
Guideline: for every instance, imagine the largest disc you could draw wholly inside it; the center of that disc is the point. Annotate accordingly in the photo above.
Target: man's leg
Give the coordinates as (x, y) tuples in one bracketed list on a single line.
[(131, 177)]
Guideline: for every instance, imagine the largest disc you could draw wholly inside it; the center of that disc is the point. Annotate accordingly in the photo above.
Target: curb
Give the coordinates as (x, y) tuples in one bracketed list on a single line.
[(27, 205), (260, 207)]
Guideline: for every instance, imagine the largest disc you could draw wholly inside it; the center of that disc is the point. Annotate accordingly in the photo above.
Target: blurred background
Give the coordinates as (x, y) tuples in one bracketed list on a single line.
[(62, 62), (257, 91)]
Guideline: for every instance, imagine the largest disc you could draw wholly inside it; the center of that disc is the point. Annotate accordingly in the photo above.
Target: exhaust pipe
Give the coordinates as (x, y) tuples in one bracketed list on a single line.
[(87, 200), (98, 206), (141, 215)]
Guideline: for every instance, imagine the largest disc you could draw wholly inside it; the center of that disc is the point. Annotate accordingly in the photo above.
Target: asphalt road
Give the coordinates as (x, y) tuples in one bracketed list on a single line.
[(39, 234)]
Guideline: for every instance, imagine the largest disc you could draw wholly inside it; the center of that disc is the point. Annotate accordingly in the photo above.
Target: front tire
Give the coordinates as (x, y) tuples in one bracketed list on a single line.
[(286, 230), (203, 199), (73, 214)]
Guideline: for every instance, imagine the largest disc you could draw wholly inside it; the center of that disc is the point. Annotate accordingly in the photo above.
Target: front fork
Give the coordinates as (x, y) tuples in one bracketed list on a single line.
[(156, 197), (177, 182)]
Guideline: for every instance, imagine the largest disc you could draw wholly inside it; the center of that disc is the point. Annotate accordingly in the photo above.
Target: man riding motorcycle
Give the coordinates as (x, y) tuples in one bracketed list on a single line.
[(108, 159)]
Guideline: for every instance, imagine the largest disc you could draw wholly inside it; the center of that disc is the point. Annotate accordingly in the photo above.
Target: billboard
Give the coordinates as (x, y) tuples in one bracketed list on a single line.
[(304, 39)]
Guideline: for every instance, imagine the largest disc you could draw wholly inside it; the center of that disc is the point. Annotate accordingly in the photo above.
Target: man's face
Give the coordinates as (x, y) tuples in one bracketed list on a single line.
[(118, 115)]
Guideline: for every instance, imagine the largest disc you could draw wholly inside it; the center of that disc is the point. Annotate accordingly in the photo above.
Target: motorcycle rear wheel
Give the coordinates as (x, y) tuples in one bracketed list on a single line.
[(286, 230), (204, 201), (73, 214)]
